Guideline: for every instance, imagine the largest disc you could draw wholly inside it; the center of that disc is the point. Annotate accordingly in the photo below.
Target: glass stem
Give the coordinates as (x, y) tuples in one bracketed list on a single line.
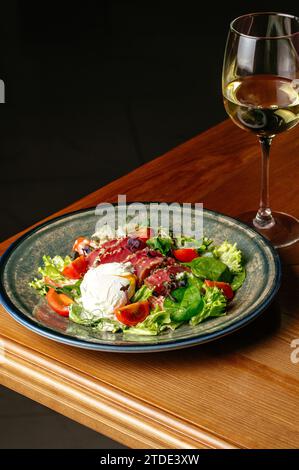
[(264, 218)]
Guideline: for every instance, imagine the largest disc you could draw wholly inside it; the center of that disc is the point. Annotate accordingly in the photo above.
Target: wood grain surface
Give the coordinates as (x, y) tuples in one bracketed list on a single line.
[(240, 391)]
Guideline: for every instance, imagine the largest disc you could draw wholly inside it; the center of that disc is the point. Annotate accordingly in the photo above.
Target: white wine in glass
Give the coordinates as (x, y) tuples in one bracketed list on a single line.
[(260, 85)]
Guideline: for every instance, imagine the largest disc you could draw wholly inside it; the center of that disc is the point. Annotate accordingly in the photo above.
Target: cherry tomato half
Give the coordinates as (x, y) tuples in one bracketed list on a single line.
[(185, 255), (76, 269), (132, 314), (59, 302), (224, 286)]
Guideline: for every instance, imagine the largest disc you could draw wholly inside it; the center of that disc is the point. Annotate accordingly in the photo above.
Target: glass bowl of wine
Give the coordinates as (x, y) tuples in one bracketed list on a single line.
[(260, 85)]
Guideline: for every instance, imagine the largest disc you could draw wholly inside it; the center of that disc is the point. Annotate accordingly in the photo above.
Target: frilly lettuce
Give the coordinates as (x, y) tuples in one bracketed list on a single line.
[(202, 245), (52, 269), (82, 317), (214, 304), (39, 285), (230, 255), (157, 321)]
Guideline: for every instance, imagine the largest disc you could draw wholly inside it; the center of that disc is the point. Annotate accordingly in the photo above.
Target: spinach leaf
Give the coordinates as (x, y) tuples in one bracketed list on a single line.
[(210, 268), (194, 281), (187, 302), (238, 280)]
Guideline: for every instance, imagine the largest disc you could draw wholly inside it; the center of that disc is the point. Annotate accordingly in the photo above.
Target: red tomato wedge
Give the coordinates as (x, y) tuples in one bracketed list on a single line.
[(224, 286), (143, 233), (132, 314), (59, 302), (80, 244), (76, 269), (185, 255)]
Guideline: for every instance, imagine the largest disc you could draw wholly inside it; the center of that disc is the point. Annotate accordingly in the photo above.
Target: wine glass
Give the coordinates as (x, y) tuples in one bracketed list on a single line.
[(260, 85)]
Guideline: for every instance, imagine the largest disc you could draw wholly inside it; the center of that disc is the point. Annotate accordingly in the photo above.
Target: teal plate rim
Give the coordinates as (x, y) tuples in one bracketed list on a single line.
[(132, 348)]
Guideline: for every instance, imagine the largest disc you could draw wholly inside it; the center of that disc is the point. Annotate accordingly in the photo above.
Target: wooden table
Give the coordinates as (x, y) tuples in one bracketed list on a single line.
[(241, 391)]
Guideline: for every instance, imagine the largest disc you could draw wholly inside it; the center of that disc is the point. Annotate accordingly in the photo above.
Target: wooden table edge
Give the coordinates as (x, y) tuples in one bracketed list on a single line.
[(97, 405)]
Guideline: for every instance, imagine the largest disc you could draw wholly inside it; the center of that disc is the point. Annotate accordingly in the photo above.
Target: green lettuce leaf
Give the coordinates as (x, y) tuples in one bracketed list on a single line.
[(39, 285), (162, 244), (79, 315), (107, 324), (214, 305), (52, 268), (238, 279), (201, 246), (82, 317), (230, 255), (142, 294), (154, 323), (71, 290)]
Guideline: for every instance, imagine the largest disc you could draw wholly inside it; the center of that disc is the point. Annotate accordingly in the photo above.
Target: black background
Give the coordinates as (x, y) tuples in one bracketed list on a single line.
[(95, 89)]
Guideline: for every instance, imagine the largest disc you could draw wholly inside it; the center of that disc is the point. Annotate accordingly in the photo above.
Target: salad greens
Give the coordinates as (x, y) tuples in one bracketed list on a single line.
[(53, 267), (162, 244), (230, 255), (214, 305), (186, 298), (81, 316), (143, 293), (202, 246), (188, 304), (51, 270), (155, 323), (210, 268), (184, 303), (238, 279)]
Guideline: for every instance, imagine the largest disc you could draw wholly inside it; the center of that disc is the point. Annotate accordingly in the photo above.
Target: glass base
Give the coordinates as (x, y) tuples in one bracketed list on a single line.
[(283, 232)]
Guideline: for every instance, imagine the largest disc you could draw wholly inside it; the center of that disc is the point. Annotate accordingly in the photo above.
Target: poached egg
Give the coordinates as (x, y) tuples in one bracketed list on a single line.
[(106, 287)]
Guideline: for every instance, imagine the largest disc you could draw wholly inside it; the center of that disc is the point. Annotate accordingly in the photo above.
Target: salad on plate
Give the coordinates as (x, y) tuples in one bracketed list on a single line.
[(140, 281)]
